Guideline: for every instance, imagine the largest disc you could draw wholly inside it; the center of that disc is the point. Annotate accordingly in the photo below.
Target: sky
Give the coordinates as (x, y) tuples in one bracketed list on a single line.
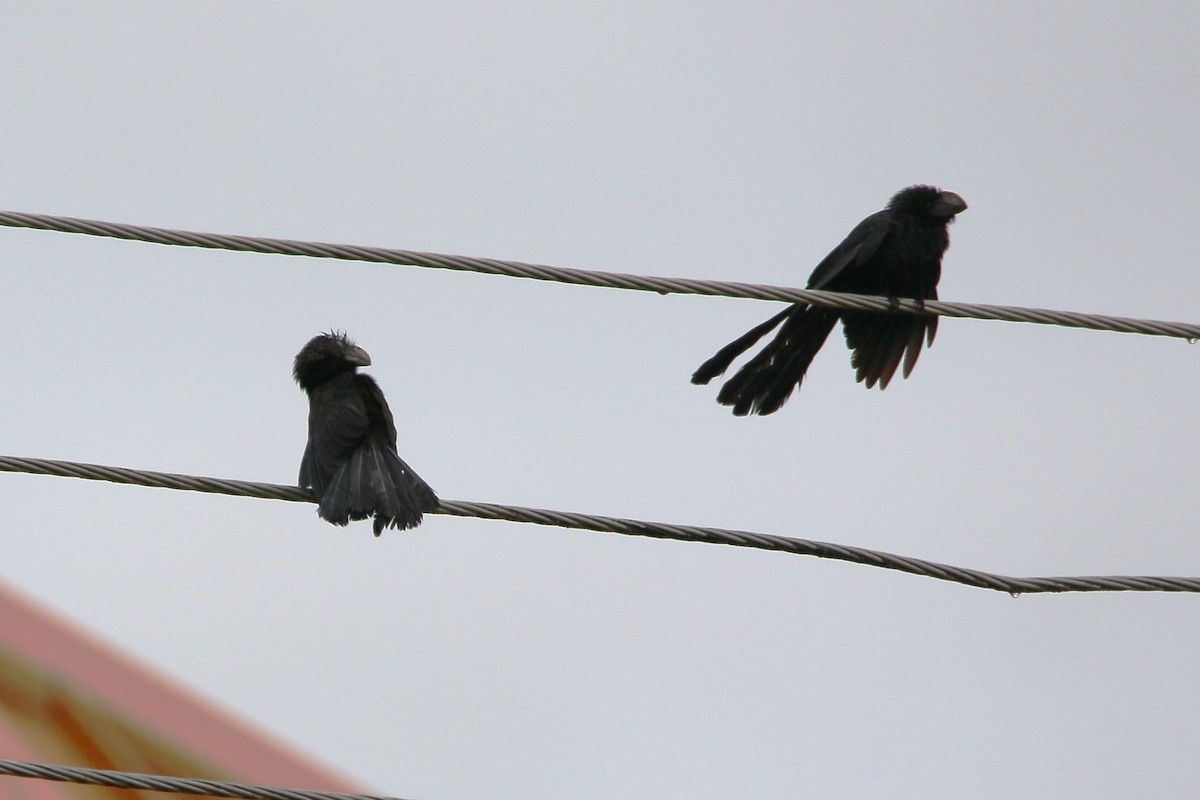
[(470, 659)]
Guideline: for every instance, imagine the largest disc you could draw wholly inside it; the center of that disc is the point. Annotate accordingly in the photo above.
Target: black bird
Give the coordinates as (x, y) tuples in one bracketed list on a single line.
[(896, 252), (350, 462)]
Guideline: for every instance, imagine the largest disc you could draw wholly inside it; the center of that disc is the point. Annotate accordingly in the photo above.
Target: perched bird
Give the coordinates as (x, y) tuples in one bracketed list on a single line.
[(350, 462), (896, 252)]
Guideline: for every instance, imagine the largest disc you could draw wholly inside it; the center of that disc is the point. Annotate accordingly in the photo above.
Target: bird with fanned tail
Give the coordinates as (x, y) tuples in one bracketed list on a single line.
[(350, 462)]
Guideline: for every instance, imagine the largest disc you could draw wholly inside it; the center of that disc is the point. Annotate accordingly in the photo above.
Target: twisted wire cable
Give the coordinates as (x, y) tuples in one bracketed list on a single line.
[(163, 783), (630, 527), (614, 280)]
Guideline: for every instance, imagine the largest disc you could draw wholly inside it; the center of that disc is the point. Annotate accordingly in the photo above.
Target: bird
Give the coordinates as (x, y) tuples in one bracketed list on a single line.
[(350, 462), (896, 252)]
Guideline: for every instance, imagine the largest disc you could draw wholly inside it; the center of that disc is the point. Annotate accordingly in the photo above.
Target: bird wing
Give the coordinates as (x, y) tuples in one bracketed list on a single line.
[(337, 422), (379, 416), (855, 250)]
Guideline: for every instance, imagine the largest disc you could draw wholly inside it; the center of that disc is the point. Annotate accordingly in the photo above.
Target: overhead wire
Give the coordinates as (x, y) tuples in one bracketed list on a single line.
[(631, 527), (662, 285), (164, 783), (615, 280)]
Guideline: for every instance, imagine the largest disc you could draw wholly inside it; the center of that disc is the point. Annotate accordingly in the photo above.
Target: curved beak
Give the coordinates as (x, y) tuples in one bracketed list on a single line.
[(948, 204), (357, 356)]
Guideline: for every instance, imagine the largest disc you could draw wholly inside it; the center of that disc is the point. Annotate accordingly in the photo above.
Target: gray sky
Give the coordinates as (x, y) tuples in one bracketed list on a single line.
[(474, 659)]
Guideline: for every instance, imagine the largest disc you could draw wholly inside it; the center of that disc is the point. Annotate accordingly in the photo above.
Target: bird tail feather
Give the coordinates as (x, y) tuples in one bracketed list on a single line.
[(766, 381), (375, 482), (726, 355)]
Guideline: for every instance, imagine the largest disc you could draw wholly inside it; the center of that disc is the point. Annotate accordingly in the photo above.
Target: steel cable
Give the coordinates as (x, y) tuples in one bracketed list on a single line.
[(630, 527), (615, 280), (164, 783)]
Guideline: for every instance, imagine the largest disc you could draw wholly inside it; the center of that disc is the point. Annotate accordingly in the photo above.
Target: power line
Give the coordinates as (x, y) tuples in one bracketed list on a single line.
[(164, 783), (615, 280), (631, 527)]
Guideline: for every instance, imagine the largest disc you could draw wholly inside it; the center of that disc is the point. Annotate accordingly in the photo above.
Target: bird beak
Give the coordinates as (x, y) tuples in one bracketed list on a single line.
[(948, 204), (358, 357)]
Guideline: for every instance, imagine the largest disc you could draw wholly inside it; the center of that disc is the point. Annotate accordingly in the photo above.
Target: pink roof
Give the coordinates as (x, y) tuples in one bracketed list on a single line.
[(67, 698)]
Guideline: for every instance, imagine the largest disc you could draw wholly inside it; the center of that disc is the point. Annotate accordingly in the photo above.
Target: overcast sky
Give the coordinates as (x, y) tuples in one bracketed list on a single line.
[(473, 659)]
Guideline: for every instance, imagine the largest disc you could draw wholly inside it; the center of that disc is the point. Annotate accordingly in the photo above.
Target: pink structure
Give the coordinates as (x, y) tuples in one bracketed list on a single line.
[(65, 698)]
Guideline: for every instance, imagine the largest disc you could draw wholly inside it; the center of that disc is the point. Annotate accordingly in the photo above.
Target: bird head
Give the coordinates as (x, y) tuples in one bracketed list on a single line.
[(928, 201), (326, 356)]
